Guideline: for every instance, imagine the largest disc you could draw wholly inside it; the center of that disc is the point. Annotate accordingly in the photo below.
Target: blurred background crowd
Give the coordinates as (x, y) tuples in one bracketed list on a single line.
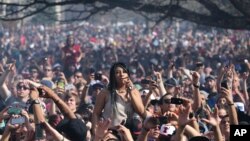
[(205, 69)]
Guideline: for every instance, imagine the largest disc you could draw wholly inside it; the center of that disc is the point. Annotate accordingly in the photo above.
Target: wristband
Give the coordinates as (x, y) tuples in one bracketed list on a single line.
[(196, 85)]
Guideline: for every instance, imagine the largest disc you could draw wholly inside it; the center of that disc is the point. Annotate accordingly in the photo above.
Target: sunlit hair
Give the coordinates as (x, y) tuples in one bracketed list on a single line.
[(73, 94)]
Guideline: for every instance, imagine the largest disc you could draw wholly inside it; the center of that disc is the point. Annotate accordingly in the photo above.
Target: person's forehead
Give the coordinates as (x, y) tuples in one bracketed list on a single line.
[(78, 73), (119, 68), (226, 118), (236, 79), (202, 96), (21, 83)]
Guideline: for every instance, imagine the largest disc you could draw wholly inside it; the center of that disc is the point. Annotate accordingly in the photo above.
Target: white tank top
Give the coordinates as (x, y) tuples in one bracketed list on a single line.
[(123, 112)]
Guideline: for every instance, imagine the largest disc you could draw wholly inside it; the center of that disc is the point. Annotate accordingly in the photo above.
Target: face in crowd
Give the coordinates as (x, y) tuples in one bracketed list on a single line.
[(210, 83), (34, 73), (119, 74), (48, 71), (70, 40), (23, 90), (72, 101), (167, 105)]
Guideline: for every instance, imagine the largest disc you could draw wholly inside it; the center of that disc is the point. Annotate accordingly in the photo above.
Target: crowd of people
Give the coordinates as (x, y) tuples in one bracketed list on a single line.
[(123, 82)]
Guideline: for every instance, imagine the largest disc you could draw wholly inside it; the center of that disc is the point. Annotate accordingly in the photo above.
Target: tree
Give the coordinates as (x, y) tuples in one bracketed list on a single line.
[(233, 14)]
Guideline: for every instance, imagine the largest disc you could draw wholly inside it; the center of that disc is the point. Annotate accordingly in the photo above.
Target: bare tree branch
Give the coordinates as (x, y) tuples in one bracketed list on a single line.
[(242, 6), (214, 9), (20, 10), (160, 9), (24, 16)]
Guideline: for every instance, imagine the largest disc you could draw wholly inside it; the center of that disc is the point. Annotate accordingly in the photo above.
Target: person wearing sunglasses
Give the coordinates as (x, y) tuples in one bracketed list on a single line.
[(21, 96)]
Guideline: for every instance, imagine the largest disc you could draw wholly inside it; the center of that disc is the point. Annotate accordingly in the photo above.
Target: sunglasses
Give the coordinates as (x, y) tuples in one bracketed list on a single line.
[(19, 87)]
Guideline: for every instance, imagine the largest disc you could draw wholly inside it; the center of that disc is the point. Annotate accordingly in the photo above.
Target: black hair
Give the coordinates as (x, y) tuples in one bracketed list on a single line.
[(113, 83)]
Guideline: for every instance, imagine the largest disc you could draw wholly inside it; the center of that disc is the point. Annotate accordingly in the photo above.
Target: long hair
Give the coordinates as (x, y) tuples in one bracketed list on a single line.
[(113, 83)]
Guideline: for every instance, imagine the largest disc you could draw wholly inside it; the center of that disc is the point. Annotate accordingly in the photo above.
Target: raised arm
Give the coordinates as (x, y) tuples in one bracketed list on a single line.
[(244, 88), (186, 72), (3, 87), (152, 89), (35, 103), (213, 120), (49, 93), (136, 99), (221, 74), (170, 69), (99, 106), (183, 121), (137, 102), (196, 86), (160, 83), (231, 110)]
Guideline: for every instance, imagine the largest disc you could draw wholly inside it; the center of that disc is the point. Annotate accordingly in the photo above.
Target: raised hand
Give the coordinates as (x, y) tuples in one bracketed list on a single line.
[(11, 66), (128, 83), (158, 76), (196, 77), (212, 118), (102, 128), (150, 123), (125, 132), (245, 75), (227, 94), (45, 92), (184, 115)]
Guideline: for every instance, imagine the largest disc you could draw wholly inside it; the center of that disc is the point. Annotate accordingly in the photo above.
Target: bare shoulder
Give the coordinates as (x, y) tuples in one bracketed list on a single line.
[(103, 94)]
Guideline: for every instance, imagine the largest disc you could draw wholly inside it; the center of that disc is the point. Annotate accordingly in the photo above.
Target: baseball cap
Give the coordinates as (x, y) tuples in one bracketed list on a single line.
[(210, 77), (171, 82), (98, 85), (47, 83)]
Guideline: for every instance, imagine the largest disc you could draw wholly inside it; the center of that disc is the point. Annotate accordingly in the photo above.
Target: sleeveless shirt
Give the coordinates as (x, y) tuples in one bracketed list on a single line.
[(124, 110)]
